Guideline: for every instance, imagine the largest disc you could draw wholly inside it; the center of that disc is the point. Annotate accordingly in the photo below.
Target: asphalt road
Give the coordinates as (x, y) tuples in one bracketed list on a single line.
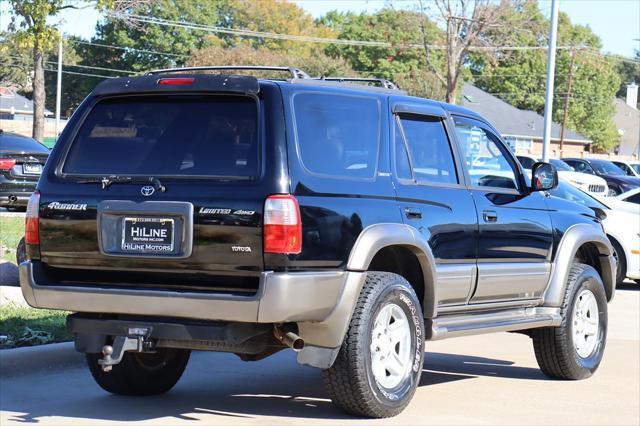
[(490, 379)]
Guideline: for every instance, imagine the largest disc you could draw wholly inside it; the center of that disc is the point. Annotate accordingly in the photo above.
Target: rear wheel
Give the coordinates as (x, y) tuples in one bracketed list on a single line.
[(380, 362), (141, 373), (614, 191), (574, 349)]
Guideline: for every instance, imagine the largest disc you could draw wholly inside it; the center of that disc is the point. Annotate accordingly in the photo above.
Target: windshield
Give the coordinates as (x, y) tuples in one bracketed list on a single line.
[(571, 193), (168, 135), (606, 168), (561, 165)]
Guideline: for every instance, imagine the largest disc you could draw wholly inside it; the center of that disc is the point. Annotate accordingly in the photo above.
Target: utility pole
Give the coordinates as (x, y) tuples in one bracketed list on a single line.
[(567, 98), (551, 70), (59, 84)]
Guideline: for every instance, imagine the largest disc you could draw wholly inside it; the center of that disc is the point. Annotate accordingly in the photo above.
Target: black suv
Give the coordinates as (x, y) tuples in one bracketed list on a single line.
[(185, 210)]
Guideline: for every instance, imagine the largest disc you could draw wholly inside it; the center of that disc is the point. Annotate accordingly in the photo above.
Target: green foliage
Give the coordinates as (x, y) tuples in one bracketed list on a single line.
[(405, 65), (11, 231), (629, 72), (519, 77), (24, 326), (29, 22)]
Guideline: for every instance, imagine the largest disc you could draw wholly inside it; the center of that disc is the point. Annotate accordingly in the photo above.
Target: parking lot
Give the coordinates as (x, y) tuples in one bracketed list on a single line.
[(490, 379)]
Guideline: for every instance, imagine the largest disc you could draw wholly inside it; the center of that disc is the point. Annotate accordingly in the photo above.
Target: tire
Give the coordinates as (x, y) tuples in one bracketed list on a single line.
[(613, 191), (141, 374), (21, 251), (621, 268), (351, 380), (558, 353)]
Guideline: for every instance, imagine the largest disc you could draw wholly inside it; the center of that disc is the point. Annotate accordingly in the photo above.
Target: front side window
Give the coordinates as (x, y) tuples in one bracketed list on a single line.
[(337, 135), (580, 166), (429, 158), (165, 135), (526, 162), (485, 156)]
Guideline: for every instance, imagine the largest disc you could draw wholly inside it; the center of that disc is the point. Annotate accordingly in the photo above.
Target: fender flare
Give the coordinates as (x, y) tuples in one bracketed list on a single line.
[(576, 236), (376, 237)]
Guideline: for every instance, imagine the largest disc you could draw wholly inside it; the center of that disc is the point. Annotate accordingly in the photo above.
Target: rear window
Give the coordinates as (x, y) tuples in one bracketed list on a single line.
[(337, 135), (14, 143), (211, 136)]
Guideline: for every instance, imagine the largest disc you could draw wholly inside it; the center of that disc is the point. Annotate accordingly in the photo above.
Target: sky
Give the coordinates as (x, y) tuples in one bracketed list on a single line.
[(616, 22)]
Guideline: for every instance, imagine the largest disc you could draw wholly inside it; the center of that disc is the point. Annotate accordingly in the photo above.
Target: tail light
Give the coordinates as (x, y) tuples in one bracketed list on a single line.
[(7, 163), (282, 225), (32, 223), (176, 81)]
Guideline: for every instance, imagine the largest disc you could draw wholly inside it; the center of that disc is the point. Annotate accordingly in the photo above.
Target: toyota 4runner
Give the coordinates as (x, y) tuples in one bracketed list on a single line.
[(189, 210)]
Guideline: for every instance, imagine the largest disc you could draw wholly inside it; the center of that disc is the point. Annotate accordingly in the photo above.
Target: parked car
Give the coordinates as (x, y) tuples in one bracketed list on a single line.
[(186, 211), (617, 181), (621, 224), (590, 184), (21, 162), (631, 168)]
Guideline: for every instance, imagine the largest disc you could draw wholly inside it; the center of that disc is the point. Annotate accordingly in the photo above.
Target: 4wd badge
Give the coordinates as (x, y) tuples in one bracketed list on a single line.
[(147, 190)]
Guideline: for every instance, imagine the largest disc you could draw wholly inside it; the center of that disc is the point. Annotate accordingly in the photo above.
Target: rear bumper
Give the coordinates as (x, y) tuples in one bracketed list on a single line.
[(282, 297)]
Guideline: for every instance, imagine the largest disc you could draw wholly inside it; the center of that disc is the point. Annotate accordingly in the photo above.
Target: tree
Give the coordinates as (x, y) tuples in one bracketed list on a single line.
[(467, 24), (29, 22), (519, 77), (629, 72), (399, 62)]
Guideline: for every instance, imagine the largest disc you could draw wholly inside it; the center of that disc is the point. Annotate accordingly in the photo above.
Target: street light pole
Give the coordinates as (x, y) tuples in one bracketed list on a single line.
[(551, 70), (59, 84)]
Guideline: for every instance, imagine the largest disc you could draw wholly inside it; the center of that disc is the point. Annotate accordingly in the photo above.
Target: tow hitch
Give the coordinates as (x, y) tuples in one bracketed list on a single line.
[(112, 354)]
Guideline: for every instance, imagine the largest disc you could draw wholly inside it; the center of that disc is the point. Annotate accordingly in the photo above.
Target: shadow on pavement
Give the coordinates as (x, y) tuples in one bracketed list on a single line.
[(222, 385)]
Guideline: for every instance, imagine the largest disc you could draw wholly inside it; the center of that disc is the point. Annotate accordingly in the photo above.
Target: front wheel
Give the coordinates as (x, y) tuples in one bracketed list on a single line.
[(380, 362), (141, 373), (574, 349)]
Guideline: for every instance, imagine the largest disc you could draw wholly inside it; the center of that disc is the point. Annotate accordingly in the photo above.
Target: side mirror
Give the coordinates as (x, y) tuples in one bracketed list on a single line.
[(544, 177)]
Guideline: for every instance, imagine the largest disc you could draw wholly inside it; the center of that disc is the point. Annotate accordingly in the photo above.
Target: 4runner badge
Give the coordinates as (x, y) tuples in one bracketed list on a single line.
[(147, 190)]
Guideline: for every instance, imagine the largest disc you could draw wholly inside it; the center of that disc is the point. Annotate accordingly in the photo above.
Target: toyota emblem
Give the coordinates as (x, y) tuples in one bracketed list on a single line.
[(147, 190)]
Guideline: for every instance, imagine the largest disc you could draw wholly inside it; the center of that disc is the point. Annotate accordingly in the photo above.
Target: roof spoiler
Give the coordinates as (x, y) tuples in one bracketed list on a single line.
[(179, 82)]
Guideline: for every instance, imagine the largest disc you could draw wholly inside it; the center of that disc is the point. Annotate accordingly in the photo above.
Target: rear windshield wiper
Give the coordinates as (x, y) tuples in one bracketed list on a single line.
[(107, 181)]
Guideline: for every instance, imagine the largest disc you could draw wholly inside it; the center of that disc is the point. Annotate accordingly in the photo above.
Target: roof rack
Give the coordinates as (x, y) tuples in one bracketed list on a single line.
[(294, 72), (384, 83)]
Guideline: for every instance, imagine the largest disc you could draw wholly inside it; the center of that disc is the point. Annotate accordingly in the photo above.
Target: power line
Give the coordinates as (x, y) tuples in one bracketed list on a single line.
[(127, 49), (64, 72), (309, 39), (15, 57)]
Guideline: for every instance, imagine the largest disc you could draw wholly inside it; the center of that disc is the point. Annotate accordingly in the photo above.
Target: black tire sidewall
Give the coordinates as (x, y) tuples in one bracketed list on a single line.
[(591, 363), (399, 295)]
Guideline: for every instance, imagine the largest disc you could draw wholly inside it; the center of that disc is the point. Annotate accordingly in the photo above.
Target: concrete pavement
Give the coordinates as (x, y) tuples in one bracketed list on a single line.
[(490, 379)]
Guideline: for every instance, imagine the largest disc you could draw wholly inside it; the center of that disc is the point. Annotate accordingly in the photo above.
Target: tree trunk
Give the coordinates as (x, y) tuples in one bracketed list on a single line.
[(38, 93)]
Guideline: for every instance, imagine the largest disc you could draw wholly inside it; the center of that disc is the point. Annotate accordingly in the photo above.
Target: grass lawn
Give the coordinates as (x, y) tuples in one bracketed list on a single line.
[(24, 326), (11, 231)]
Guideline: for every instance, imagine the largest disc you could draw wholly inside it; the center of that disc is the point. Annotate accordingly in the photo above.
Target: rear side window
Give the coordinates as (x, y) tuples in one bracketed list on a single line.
[(430, 158), (337, 135), (210, 136)]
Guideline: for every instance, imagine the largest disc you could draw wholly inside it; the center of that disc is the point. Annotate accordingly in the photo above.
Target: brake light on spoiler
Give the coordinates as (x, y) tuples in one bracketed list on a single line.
[(176, 81), (282, 225)]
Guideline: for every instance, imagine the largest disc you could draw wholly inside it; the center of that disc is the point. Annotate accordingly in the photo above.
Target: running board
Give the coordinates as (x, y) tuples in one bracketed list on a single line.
[(468, 324)]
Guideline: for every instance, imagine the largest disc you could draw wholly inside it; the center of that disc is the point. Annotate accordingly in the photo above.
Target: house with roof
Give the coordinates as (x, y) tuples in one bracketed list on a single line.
[(521, 129), (627, 120), (14, 106)]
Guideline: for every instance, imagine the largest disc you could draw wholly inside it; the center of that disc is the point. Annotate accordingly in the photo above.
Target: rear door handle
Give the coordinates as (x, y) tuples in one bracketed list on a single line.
[(490, 216), (413, 213)]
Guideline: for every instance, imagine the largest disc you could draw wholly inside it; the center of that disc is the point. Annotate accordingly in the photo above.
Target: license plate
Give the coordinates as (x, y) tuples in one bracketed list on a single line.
[(32, 168), (147, 235)]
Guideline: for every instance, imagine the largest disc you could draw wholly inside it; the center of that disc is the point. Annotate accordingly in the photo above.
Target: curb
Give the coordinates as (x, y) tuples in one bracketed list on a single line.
[(33, 359)]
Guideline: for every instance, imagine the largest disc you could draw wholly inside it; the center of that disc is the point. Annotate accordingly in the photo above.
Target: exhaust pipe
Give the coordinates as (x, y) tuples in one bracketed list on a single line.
[(12, 199), (288, 338)]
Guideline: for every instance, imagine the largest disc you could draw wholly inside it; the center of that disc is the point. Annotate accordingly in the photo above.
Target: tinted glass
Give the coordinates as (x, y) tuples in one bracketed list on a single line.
[(580, 166), (485, 156), (635, 198), (215, 136), (636, 167), (15, 143), (429, 150), (561, 165), (526, 162), (606, 167), (337, 135)]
